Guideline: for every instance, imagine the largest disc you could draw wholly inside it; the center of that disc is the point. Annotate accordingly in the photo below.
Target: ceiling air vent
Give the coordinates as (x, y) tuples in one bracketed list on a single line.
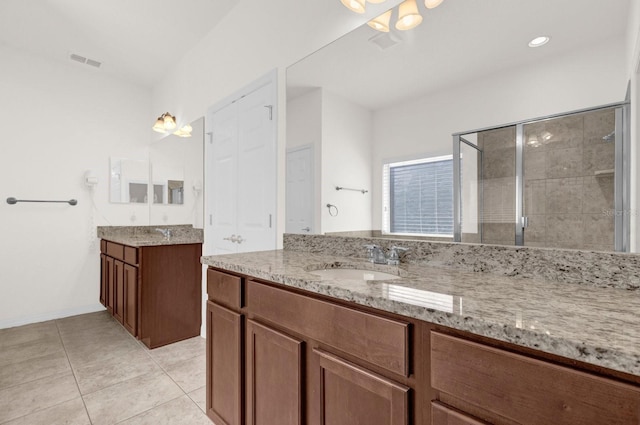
[(86, 61), (384, 40)]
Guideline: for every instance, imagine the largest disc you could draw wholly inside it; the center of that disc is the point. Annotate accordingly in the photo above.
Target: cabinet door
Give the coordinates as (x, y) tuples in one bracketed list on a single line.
[(103, 280), (224, 366), (274, 377), (350, 394), (110, 284), (130, 304), (443, 415), (118, 274)]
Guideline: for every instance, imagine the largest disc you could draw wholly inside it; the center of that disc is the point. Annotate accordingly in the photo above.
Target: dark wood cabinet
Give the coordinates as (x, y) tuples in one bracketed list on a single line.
[(109, 283), (444, 415), (118, 275), (351, 394), (103, 280), (506, 387), (154, 291), (130, 299), (306, 358), (224, 366), (274, 376)]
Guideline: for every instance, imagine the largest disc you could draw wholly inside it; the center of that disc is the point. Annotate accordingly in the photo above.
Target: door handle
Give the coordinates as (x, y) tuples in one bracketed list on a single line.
[(306, 229), (232, 238), (239, 239)]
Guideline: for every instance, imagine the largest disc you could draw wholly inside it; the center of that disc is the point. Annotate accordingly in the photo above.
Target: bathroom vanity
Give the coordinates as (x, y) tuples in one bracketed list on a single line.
[(151, 281), (433, 346)]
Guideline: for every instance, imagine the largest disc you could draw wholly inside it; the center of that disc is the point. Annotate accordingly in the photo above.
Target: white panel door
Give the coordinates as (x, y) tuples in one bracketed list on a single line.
[(299, 191), (223, 166), (256, 171)]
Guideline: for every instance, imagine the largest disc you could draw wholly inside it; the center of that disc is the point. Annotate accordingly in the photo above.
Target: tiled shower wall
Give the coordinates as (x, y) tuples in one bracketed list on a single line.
[(569, 183)]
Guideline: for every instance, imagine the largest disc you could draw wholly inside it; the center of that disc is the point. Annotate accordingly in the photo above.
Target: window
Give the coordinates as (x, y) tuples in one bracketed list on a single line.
[(418, 197)]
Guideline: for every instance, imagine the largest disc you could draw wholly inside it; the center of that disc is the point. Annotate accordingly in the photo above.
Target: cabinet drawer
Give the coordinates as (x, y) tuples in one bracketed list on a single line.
[(103, 246), (224, 289), (443, 415), (378, 340), (131, 255), (526, 390), (115, 250)]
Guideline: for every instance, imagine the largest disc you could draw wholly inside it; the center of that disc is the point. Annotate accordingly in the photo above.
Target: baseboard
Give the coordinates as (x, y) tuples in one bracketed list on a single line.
[(51, 315)]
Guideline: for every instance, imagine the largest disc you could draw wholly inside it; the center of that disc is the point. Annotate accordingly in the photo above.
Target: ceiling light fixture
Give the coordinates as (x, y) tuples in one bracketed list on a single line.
[(408, 14), (539, 41), (164, 123)]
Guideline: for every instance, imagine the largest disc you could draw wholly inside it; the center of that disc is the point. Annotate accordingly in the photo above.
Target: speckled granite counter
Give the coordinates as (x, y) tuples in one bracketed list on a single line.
[(591, 324), (148, 235)]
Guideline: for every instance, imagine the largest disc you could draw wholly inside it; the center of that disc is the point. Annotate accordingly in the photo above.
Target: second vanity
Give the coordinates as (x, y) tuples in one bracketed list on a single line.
[(433, 346), (151, 280)]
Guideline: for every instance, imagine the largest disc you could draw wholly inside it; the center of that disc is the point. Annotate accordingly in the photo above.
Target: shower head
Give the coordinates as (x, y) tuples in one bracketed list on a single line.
[(609, 137)]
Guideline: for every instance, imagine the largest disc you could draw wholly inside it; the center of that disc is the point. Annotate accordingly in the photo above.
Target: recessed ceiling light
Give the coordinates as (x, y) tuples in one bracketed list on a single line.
[(539, 41)]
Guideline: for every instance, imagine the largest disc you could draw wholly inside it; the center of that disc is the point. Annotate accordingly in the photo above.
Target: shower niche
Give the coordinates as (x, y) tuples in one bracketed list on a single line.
[(555, 182)]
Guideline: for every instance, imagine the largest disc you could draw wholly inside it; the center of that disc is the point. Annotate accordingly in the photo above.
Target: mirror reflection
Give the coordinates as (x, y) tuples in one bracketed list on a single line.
[(376, 108), (129, 180), (177, 174)]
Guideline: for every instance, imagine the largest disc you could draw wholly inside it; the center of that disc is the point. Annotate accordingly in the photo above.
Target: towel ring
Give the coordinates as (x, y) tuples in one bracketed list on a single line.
[(331, 209)]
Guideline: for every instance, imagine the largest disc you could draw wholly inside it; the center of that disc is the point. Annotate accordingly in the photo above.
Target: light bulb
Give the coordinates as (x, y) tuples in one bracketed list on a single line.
[(381, 23), (169, 121), (408, 16), (432, 4), (159, 126), (354, 5)]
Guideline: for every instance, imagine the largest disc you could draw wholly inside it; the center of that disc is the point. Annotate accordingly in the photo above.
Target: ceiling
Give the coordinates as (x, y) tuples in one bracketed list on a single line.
[(135, 40), (459, 41)]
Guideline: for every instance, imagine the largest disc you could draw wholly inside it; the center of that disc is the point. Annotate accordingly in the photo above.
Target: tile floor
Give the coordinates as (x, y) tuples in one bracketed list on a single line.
[(87, 369)]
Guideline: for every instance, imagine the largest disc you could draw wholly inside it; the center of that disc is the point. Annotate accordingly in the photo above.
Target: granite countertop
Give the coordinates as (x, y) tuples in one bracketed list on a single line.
[(148, 235), (596, 325)]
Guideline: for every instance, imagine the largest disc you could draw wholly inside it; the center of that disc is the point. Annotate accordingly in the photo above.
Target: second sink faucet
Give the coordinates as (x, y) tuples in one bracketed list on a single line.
[(165, 232), (377, 255)]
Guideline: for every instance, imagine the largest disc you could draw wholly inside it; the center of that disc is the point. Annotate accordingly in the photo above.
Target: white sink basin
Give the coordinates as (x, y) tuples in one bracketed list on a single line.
[(353, 274)]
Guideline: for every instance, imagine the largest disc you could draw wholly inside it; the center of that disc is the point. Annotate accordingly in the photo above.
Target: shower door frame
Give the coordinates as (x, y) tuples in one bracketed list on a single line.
[(622, 173)]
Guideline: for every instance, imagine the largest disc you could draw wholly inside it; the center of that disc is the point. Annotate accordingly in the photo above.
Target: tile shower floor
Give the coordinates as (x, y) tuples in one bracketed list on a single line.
[(87, 369)]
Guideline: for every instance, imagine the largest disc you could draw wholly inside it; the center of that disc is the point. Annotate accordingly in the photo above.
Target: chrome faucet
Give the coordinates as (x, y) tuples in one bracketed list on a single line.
[(377, 255), (165, 232)]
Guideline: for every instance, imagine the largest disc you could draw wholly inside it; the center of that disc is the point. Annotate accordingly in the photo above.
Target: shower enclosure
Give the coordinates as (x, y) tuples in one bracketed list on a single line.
[(559, 181)]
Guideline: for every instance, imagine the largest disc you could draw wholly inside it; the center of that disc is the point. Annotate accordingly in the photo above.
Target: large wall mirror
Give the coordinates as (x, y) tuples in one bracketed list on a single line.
[(376, 112), (169, 181)]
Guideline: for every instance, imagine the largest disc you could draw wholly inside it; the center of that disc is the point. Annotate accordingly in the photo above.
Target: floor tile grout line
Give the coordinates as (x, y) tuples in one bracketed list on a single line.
[(75, 378), (153, 407)]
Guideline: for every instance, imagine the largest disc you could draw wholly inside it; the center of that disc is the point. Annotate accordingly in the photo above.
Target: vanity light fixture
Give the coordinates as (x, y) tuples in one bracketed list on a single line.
[(184, 131), (408, 14), (164, 123), (539, 41), (354, 5)]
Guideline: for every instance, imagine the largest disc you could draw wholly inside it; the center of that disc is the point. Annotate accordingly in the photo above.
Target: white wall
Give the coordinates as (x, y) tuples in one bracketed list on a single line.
[(59, 121), (580, 79), (346, 162)]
